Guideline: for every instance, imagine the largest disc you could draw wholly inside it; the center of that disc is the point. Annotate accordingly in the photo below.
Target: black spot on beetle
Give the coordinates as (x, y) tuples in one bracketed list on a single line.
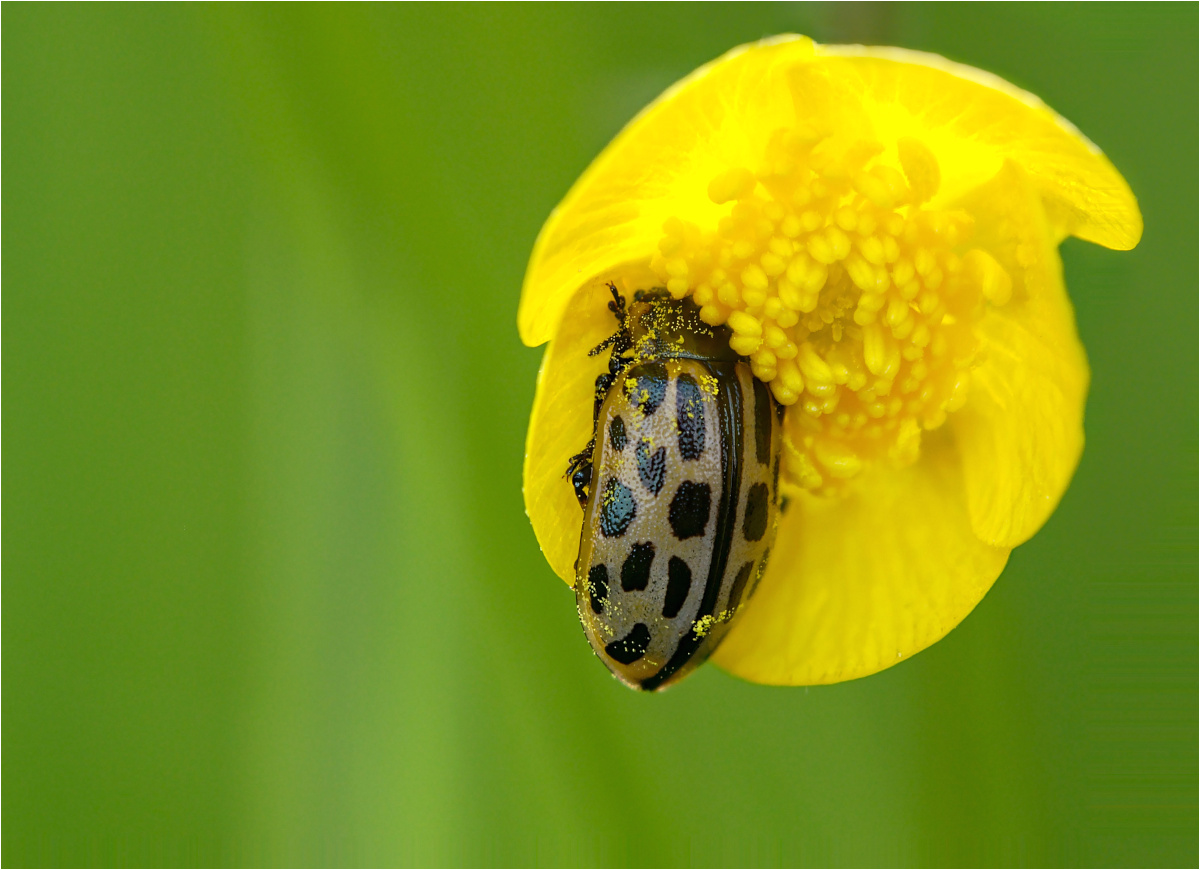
[(784, 503), (617, 508), (631, 647), (754, 526), (652, 467), (616, 434), (762, 422), (775, 478), (679, 583), (689, 414), (635, 570), (649, 387), (689, 509), (738, 587), (598, 587)]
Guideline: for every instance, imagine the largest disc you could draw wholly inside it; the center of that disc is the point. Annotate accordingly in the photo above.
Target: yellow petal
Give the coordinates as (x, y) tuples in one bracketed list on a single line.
[(856, 585), (1021, 431), (561, 426), (973, 121), (719, 119)]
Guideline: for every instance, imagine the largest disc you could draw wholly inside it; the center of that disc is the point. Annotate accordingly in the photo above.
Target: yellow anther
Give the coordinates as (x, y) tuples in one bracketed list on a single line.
[(787, 351), (676, 267), (839, 460), (903, 272), (790, 295), (882, 280), (871, 301), (811, 220), (818, 389), (797, 271), (934, 419), (903, 329), (678, 287), (774, 337), (790, 226), (745, 324), (753, 297), (820, 249), (860, 272), (728, 294), (808, 301), (872, 250), (703, 295), (764, 373), (731, 185), (772, 264), (745, 344), (712, 315), (898, 312), (753, 276), (782, 394), (763, 357), (813, 367), (847, 219), (789, 374), (839, 242)]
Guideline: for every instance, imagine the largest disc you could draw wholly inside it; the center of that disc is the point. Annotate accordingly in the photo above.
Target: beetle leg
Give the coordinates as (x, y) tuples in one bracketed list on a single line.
[(604, 383), (581, 480), (579, 469)]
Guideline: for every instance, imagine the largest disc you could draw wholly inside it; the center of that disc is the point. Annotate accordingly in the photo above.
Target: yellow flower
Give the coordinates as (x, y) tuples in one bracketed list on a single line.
[(879, 229)]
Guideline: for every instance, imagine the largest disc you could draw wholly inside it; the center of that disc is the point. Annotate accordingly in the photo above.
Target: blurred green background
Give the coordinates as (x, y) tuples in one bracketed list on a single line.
[(270, 595)]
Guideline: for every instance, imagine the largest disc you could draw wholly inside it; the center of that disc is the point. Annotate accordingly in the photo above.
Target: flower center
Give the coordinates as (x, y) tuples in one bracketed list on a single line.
[(852, 299)]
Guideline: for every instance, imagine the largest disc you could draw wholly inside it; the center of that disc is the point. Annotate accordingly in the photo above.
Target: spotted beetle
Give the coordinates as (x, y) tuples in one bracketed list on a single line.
[(679, 488)]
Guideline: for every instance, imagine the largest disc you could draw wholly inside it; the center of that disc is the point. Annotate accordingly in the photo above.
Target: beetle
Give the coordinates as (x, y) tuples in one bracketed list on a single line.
[(679, 487)]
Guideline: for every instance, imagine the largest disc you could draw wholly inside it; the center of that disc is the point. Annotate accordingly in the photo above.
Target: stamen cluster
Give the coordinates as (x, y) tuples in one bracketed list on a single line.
[(852, 299)]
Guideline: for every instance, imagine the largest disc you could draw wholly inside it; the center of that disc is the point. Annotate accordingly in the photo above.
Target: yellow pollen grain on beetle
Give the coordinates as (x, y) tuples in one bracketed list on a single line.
[(851, 297)]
